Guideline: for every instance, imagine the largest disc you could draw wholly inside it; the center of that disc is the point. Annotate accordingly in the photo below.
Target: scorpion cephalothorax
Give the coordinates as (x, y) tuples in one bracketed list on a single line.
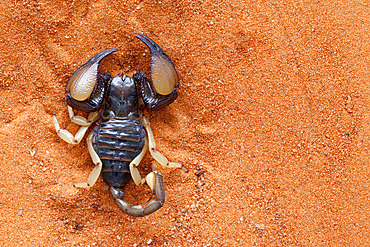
[(122, 136)]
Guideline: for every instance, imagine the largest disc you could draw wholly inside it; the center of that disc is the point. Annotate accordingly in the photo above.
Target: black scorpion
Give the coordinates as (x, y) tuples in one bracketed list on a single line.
[(123, 135)]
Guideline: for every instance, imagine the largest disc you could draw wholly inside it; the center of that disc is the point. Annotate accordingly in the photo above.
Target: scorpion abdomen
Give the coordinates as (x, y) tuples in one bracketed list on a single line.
[(118, 142)]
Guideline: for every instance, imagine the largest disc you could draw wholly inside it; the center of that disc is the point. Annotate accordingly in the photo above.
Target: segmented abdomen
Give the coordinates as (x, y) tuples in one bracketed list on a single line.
[(117, 142)]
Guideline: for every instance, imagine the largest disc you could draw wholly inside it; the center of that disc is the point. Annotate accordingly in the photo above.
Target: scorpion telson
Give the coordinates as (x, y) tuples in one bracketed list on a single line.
[(122, 136)]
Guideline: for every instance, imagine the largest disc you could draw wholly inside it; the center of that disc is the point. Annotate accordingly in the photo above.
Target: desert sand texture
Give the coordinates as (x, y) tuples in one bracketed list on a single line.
[(272, 121)]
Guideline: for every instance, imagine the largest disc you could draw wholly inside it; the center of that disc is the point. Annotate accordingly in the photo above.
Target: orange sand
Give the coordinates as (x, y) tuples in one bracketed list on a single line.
[(273, 108)]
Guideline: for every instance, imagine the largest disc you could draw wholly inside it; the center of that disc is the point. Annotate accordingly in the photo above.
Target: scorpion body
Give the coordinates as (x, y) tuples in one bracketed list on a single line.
[(119, 135), (122, 135)]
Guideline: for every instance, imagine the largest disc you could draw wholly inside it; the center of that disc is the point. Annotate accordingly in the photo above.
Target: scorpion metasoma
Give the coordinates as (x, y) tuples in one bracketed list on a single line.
[(122, 135)]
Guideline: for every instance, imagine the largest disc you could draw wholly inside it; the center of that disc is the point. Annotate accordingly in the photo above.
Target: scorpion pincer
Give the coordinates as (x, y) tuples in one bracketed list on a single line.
[(122, 136)]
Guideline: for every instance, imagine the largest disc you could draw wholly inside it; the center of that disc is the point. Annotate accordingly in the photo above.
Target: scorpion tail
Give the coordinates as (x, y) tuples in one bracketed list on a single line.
[(138, 211)]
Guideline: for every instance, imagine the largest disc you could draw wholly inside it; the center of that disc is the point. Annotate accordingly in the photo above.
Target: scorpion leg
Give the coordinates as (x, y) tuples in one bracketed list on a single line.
[(94, 175), (93, 116), (159, 157), (85, 123), (135, 163), (155, 182)]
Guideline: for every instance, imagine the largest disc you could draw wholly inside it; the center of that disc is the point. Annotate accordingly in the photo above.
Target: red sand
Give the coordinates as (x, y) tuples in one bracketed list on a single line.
[(273, 108)]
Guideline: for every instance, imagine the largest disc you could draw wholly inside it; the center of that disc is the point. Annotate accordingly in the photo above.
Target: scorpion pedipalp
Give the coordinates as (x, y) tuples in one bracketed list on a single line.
[(84, 79), (155, 182), (163, 73)]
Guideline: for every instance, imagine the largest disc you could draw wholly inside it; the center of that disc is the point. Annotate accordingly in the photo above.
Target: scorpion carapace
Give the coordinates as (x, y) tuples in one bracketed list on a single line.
[(122, 136)]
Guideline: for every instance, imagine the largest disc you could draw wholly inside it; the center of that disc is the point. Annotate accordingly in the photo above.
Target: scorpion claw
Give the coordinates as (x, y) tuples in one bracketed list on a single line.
[(83, 81), (86, 87), (163, 72), (138, 210), (163, 75)]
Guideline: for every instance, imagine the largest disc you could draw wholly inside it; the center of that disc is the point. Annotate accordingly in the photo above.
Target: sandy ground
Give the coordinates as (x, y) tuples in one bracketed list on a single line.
[(272, 121)]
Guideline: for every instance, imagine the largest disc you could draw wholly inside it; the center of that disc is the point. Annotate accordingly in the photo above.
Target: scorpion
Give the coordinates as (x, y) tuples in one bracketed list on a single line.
[(122, 134)]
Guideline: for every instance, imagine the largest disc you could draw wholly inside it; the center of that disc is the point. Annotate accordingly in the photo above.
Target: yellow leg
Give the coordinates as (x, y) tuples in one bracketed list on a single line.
[(94, 175), (160, 158), (93, 116), (135, 163), (85, 123)]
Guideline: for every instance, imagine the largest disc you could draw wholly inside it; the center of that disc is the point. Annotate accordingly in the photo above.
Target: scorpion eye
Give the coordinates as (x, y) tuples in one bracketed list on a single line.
[(83, 81), (163, 72)]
